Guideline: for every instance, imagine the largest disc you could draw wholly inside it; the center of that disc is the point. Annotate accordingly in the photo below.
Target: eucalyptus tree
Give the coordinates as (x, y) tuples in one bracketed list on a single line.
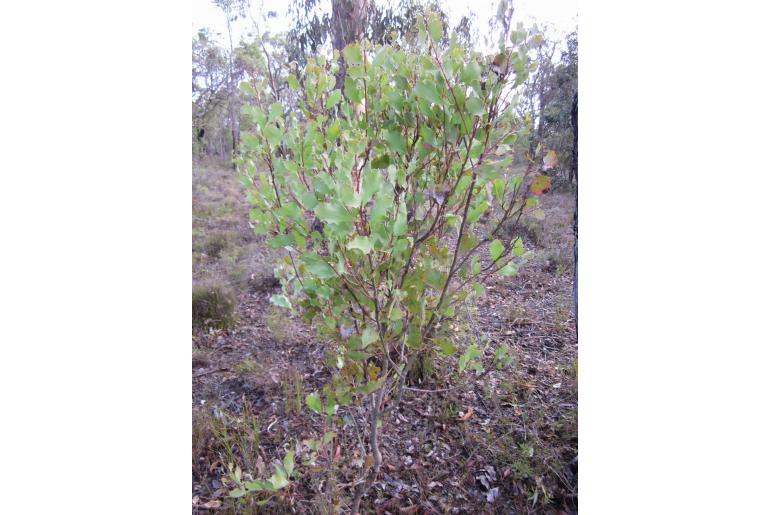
[(233, 10)]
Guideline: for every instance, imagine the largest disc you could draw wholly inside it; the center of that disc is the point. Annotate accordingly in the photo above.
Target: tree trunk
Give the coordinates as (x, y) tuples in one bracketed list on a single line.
[(234, 125), (574, 172), (348, 20)]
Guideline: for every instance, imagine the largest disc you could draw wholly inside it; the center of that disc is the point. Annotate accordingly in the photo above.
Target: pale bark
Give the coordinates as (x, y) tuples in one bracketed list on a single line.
[(348, 23)]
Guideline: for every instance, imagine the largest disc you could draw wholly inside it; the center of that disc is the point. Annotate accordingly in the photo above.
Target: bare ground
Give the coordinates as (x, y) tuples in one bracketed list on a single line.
[(516, 453)]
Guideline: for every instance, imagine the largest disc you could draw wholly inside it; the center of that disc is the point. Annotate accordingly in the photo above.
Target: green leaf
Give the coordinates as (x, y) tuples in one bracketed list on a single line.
[(293, 82), (349, 197), (475, 213), (334, 130), (281, 301), (428, 91), (368, 337), (273, 134), (352, 90), (238, 492), (496, 250), (288, 462), (372, 183), (279, 479), (313, 402), (247, 89), (331, 407), (509, 270), (280, 241), (333, 213), (498, 189), (317, 266), (334, 99), (435, 278), (259, 486), (475, 265), (472, 352), (356, 355), (276, 111), (396, 141), (370, 387), (380, 162), (435, 28), (399, 226), (290, 210), (470, 73), (309, 199), (447, 348), (383, 202), (250, 141), (518, 247), (474, 106), (352, 54), (503, 356), (362, 243)]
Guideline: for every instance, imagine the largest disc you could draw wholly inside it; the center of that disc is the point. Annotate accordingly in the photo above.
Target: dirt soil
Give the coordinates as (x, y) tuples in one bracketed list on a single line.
[(515, 453)]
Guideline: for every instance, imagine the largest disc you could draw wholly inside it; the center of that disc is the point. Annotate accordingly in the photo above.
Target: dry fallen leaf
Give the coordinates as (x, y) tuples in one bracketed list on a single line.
[(493, 494), (212, 504), (468, 415)]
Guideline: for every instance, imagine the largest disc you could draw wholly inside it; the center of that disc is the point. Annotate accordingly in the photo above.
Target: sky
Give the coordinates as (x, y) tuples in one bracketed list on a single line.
[(559, 15)]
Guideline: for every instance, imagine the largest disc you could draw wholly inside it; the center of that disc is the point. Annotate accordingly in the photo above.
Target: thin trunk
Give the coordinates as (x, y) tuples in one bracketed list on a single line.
[(374, 446), (234, 130), (574, 172)]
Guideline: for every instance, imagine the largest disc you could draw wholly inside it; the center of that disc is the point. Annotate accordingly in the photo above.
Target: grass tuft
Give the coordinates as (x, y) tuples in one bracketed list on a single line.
[(213, 306)]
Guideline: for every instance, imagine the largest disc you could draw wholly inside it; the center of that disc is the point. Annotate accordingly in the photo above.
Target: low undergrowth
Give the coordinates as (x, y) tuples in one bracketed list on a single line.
[(213, 306)]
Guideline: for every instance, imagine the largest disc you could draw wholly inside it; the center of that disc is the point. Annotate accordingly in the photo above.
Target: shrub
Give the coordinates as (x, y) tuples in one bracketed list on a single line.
[(374, 192), (213, 306)]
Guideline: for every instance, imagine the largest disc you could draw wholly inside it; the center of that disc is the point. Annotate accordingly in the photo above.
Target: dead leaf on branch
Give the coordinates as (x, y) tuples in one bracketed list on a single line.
[(540, 184)]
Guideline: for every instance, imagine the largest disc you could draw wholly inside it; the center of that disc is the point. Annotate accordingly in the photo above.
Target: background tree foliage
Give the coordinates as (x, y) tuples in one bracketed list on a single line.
[(264, 58)]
